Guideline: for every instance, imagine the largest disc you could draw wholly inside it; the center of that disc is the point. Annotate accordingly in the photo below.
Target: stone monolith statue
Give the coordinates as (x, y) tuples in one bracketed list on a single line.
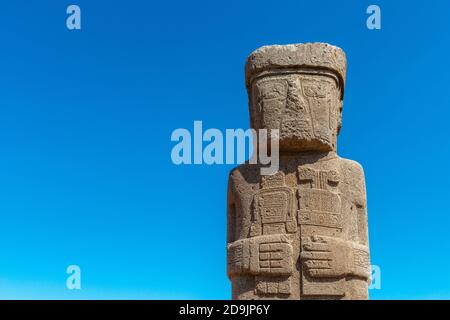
[(300, 233)]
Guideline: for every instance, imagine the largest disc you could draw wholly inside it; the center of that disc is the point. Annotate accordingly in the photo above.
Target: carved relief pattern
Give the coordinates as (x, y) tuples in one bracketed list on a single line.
[(318, 204)]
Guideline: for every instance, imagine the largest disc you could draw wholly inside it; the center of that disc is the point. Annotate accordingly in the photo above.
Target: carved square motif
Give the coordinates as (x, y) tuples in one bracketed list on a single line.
[(274, 205), (319, 207)]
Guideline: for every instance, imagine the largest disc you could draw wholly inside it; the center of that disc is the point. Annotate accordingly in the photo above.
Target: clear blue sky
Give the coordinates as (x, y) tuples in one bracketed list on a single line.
[(86, 118)]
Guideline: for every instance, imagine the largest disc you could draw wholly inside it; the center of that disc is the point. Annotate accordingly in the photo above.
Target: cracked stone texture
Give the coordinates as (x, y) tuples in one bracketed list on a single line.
[(300, 233)]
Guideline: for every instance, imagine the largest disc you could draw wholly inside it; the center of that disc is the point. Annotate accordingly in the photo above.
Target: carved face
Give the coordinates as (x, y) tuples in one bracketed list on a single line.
[(306, 108)]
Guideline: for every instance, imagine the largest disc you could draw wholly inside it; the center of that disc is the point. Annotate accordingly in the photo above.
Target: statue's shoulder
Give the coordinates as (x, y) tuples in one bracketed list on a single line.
[(351, 167), (246, 171), (353, 179), (244, 179)]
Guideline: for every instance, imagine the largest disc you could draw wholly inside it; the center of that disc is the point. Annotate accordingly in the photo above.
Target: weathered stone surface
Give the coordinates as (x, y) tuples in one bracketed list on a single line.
[(302, 232)]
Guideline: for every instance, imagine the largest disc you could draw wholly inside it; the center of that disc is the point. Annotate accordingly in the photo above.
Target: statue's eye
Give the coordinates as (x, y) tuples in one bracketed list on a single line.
[(272, 89), (314, 91)]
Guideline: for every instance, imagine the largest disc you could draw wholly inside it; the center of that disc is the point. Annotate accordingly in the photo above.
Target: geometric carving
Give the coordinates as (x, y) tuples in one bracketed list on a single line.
[(318, 179), (273, 286), (273, 205), (317, 204), (320, 208), (271, 95), (361, 260), (275, 209)]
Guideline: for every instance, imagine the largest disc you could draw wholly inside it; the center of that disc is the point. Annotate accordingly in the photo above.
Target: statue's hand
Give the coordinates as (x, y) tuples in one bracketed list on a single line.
[(269, 255), (329, 257), (323, 257), (274, 257)]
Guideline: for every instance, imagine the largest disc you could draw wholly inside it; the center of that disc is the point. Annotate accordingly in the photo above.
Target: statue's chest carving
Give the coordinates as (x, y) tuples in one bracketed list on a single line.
[(273, 208), (318, 196), (279, 208)]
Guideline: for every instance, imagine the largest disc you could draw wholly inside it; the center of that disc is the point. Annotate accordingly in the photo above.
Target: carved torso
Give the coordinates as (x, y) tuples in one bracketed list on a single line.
[(300, 233)]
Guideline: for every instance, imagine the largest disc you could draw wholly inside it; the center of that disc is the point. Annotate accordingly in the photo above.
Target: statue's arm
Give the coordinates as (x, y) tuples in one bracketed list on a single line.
[(360, 255), (231, 213), (360, 203), (236, 250)]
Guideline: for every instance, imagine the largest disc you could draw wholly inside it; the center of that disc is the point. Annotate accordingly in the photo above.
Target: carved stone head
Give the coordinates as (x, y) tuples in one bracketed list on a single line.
[(297, 89)]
